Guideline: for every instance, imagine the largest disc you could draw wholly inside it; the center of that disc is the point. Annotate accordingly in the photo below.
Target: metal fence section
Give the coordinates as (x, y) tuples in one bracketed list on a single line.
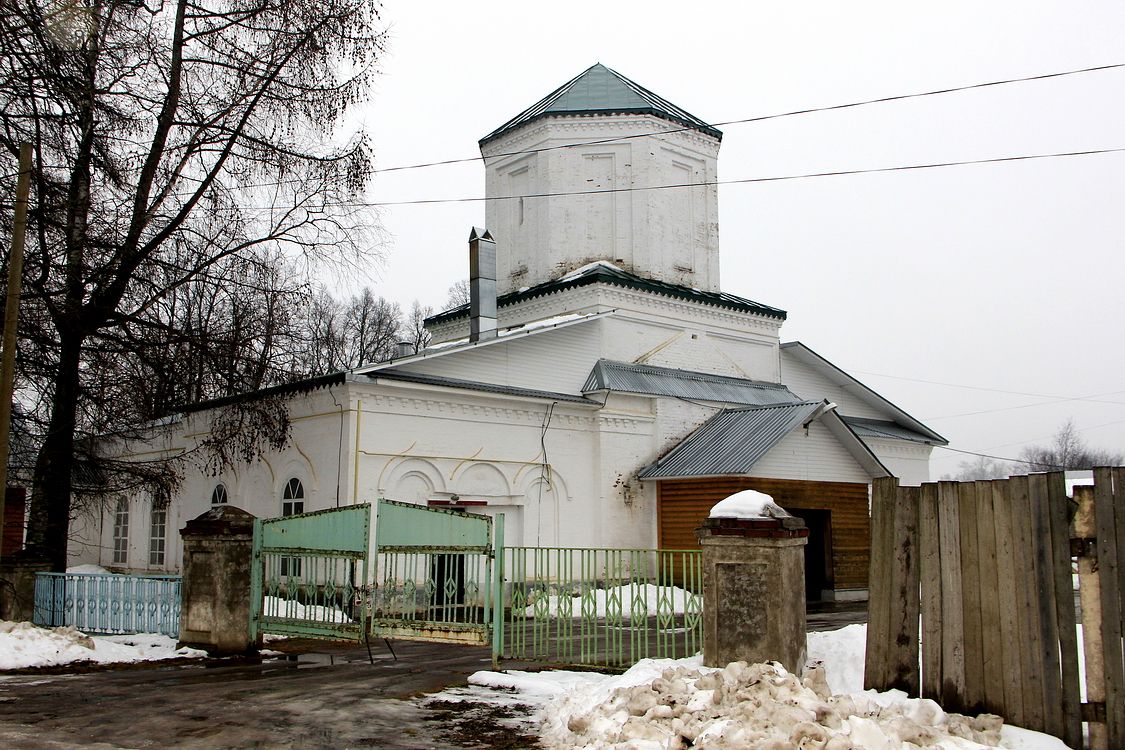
[(604, 607), (107, 603), (435, 575), (310, 572)]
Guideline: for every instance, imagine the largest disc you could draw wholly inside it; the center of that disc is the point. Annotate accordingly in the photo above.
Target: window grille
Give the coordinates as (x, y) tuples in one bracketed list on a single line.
[(219, 495)]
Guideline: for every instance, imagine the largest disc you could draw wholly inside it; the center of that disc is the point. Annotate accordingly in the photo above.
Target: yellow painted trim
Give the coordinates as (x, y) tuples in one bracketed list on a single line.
[(659, 348)]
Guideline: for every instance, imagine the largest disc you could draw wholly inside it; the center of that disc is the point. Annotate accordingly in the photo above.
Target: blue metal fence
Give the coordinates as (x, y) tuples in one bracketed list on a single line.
[(107, 603)]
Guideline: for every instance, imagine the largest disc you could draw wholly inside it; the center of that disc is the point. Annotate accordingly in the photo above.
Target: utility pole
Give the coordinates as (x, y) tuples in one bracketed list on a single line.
[(11, 321)]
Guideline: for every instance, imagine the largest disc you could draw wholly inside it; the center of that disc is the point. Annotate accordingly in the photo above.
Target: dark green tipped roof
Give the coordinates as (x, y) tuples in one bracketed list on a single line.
[(601, 91)]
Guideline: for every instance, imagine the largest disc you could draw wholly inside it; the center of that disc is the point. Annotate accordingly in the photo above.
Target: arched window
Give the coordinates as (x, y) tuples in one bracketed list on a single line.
[(293, 498), (292, 503), (219, 494), (121, 532)]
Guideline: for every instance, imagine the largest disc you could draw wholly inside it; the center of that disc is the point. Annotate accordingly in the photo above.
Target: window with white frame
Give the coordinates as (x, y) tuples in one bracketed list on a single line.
[(293, 498), (219, 494), (156, 537), (292, 503), (121, 532)]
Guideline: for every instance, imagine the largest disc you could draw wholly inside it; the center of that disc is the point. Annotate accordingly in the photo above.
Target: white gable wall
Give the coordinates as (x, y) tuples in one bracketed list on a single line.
[(808, 383), (814, 455)]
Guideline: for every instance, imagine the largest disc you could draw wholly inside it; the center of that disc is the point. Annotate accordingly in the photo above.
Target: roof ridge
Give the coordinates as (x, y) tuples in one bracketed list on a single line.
[(606, 92)]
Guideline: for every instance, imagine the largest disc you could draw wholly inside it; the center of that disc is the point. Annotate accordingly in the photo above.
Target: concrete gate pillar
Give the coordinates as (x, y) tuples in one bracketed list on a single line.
[(17, 587), (218, 555), (754, 591)]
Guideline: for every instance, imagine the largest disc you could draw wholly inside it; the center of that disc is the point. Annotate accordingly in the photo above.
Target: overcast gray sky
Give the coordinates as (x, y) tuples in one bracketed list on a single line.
[(1001, 281)]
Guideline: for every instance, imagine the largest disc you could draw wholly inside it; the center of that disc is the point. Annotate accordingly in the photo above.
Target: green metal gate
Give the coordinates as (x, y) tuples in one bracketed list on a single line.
[(436, 575), (309, 574)]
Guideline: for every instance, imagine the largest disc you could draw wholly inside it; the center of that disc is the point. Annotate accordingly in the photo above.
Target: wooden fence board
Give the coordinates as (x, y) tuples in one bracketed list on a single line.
[(904, 590), (881, 596), (1107, 505), (1006, 575), (991, 640), (1060, 513), (930, 587), (1027, 593), (952, 613), (1044, 602), (967, 509)]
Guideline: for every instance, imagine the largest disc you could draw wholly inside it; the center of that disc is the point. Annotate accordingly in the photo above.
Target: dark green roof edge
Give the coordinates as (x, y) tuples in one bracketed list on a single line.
[(602, 274), (655, 105), (299, 386)]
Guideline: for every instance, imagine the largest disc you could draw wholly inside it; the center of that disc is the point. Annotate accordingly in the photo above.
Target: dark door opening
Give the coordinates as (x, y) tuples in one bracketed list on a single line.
[(818, 551)]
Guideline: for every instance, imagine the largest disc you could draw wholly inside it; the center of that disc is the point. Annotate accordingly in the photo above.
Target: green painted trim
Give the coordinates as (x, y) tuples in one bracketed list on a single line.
[(256, 572)]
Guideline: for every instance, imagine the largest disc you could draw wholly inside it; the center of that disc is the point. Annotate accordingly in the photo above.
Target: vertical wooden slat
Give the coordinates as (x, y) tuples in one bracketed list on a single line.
[(952, 614), (930, 585), (992, 662), (1085, 527), (1006, 574), (1059, 511), (971, 598), (1107, 505), (1030, 637), (1045, 603), (876, 671), (904, 588)]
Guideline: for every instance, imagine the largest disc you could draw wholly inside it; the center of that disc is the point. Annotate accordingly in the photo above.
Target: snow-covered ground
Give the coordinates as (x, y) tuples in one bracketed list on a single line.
[(673, 704), (24, 645)]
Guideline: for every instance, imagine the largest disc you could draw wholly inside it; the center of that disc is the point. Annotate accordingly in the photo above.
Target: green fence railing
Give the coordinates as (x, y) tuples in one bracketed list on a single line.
[(601, 606)]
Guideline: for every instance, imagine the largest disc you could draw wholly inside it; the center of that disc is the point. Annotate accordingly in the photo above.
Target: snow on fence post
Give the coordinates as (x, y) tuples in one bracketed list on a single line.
[(753, 583)]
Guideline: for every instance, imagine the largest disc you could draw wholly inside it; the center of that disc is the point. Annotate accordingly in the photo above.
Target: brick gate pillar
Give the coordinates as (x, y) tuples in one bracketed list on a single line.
[(754, 590), (218, 554)]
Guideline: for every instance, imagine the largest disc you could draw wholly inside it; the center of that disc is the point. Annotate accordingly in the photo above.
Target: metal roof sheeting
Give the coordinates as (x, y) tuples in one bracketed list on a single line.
[(731, 442), (608, 274), (878, 428), (599, 90), (608, 375), (471, 385)]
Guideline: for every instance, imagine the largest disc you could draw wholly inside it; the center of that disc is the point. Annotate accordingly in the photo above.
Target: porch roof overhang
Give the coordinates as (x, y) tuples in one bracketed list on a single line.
[(732, 441)]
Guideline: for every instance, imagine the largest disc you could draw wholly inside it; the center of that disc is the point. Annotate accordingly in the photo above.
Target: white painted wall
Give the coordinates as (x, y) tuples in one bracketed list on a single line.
[(813, 455), (671, 235)]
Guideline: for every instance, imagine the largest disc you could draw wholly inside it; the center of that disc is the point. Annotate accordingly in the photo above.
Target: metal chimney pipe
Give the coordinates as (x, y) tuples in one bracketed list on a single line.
[(404, 349), (482, 285)]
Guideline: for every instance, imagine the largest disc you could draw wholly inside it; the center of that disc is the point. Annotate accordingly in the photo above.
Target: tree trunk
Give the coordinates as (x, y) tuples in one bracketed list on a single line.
[(49, 521)]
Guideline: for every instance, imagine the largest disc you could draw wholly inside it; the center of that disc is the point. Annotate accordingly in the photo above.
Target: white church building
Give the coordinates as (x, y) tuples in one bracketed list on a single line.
[(600, 390)]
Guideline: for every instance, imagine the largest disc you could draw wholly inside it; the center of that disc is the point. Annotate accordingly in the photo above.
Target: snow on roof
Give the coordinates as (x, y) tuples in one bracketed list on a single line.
[(587, 268), (748, 504)]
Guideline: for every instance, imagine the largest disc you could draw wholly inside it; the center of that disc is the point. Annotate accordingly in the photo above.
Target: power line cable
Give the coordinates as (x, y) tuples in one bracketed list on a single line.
[(763, 118), (989, 390), (740, 121), (1092, 398), (713, 183)]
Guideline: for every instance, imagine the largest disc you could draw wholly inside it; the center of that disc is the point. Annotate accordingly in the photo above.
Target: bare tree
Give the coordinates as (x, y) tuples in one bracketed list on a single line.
[(414, 329), (1067, 450), (982, 467), (457, 295), (169, 139)]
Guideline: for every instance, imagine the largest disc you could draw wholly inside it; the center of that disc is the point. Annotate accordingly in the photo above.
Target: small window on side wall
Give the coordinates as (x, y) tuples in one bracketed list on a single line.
[(121, 532), (219, 495)]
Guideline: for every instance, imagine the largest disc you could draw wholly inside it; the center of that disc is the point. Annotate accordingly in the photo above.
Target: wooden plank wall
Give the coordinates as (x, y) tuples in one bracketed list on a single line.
[(979, 574), (682, 504)]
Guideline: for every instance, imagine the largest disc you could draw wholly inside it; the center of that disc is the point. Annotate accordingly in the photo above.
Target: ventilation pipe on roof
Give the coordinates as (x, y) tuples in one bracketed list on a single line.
[(404, 349), (482, 285)]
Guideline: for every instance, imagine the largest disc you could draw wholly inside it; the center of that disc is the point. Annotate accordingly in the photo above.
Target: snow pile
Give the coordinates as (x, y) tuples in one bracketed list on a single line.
[(748, 504), (649, 593), (275, 606), (661, 705), (24, 645), (88, 569)]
